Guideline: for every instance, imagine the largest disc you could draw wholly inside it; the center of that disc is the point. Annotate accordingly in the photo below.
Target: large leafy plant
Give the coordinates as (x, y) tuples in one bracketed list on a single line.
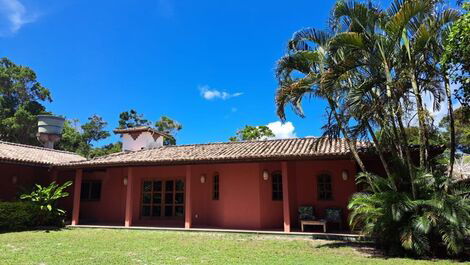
[(46, 198), (435, 223)]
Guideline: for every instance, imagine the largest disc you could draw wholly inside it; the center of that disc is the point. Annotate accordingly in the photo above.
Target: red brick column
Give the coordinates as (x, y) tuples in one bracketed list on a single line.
[(285, 196), (77, 187), (187, 195), (129, 201)]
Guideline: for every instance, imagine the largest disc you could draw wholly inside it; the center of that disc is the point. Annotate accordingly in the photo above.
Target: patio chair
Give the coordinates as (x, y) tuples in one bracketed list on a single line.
[(334, 215), (307, 217)]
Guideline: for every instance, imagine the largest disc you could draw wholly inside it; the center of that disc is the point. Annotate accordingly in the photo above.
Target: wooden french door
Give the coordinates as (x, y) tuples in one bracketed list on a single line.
[(162, 198)]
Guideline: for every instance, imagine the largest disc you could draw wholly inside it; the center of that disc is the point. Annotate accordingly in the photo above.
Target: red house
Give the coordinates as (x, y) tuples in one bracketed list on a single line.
[(257, 185)]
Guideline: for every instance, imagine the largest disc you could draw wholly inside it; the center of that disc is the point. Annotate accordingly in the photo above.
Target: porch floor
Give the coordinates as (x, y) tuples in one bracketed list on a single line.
[(344, 236)]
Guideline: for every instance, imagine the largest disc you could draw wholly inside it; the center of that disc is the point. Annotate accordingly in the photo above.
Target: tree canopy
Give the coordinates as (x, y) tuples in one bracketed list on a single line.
[(21, 98), (252, 133)]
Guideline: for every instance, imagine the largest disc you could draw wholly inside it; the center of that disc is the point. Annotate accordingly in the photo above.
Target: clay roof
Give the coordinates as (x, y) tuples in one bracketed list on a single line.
[(33, 155), (288, 149), (139, 129)]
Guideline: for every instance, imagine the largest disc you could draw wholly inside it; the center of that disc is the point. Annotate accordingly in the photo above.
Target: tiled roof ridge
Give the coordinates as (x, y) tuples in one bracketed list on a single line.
[(38, 147), (219, 143)]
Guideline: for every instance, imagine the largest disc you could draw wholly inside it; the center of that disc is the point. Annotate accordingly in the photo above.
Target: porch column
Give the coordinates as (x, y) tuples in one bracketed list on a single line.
[(129, 201), (76, 196), (187, 195), (285, 196)]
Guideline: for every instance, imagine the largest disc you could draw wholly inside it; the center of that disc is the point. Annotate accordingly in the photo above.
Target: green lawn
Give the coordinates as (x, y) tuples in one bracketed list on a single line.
[(96, 246)]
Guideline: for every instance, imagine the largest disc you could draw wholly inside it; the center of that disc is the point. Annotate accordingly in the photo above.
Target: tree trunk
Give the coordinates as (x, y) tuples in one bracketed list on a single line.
[(407, 150), (424, 142), (379, 150), (451, 125), (352, 146)]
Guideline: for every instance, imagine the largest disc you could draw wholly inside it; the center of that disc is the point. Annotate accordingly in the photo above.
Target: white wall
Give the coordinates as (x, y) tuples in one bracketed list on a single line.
[(144, 141)]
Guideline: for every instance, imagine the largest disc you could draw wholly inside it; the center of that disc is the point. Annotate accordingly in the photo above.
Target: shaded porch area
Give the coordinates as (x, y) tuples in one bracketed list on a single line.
[(257, 196)]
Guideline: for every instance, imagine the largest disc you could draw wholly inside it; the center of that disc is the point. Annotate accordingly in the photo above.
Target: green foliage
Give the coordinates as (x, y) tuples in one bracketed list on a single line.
[(106, 150), (20, 101), (457, 55), (252, 133), (15, 216), (169, 127), (435, 223), (79, 139), (46, 197), (462, 128), (131, 119)]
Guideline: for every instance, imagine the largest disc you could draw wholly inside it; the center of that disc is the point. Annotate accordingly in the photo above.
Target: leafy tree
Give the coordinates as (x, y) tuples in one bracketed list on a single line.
[(106, 149), (21, 96), (252, 133), (131, 119), (457, 55), (169, 127), (462, 128), (79, 139), (93, 130)]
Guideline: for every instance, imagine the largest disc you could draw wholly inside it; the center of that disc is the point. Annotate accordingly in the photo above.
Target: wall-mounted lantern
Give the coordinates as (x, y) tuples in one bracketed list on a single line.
[(345, 174), (265, 175), (203, 178), (14, 179), (124, 181)]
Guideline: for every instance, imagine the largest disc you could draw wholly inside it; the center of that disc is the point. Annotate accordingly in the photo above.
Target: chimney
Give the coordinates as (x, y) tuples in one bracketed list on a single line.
[(139, 138), (49, 130)]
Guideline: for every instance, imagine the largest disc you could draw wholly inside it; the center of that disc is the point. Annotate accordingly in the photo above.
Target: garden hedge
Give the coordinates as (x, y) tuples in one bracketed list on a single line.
[(15, 216)]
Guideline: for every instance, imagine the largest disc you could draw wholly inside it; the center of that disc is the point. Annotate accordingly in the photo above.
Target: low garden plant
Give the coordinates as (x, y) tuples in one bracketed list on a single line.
[(37, 209)]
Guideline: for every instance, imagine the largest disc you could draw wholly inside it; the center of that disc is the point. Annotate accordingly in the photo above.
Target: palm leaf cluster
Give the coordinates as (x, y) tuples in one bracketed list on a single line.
[(379, 71)]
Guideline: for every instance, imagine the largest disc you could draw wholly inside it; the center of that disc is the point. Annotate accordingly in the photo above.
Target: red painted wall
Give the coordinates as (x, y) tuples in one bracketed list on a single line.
[(245, 198), (26, 177)]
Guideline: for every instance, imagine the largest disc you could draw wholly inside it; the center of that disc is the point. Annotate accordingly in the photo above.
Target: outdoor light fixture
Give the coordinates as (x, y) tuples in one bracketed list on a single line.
[(265, 175), (124, 181), (203, 178), (344, 174), (14, 179)]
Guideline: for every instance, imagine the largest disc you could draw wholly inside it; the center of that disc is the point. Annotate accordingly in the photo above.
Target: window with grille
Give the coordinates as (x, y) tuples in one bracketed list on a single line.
[(91, 190), (276, 178), (163, 198), (215, 188), (324, 187)]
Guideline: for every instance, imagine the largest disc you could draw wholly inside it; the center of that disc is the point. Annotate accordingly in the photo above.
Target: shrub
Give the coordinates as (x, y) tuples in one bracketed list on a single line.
[(45, 199), (16, 216)]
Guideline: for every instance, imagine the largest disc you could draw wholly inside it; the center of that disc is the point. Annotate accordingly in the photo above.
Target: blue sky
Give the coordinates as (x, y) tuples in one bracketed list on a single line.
[(207, 64)]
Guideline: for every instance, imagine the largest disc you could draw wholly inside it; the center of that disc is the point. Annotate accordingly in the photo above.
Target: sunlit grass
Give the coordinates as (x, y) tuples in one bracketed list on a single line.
[(98, 246)]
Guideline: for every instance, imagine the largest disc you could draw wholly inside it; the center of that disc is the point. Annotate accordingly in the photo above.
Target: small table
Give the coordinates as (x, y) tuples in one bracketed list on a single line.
[(313, 222)]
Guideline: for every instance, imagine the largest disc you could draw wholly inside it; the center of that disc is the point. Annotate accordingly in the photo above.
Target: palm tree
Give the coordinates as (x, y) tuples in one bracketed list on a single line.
[(374, 68)]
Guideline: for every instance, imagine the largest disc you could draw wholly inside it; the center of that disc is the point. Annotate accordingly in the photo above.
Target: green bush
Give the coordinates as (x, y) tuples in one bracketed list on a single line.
[(16, 216)]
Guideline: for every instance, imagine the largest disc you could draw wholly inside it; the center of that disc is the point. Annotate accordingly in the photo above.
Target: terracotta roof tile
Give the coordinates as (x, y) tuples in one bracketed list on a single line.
[(227, 152), (33, 155)]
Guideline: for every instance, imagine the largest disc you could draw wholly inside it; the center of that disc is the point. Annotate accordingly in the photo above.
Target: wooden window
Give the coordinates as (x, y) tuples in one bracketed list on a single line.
[(163, 198), (324, 187), (91, 190), (277, 186), (215, 187)]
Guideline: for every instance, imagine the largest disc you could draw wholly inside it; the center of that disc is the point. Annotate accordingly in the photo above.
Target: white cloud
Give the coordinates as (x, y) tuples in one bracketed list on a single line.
[(282, 130), (13, 16), (211, 94)]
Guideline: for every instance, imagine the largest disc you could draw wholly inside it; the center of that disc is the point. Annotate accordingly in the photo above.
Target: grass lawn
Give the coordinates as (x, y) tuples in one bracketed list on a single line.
[(96, 246)]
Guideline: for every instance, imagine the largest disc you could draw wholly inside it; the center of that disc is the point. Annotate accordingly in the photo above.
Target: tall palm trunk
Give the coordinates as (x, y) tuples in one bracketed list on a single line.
[(407, 150), (345, 132), (451, 123), (379, 148), (424, 142)]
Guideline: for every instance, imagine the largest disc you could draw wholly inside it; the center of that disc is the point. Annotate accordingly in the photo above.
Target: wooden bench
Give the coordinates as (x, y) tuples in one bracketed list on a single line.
[(313, 222)]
